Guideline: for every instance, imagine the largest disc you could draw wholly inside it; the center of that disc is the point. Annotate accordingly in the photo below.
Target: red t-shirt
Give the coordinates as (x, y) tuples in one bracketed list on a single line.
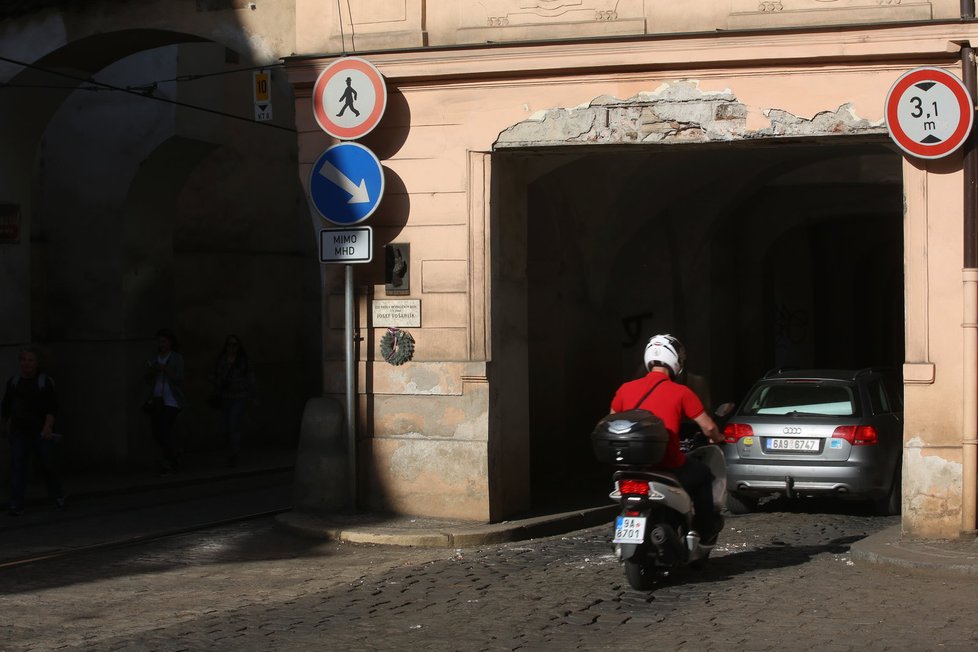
[(670, 401)]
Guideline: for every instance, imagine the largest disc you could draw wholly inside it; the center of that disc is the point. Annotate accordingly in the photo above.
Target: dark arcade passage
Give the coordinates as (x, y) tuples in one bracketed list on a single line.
[(755, 256)]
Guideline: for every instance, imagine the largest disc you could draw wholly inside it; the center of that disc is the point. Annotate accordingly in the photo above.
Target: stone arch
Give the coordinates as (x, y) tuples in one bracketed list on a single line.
[(43, 85), (80, 280)]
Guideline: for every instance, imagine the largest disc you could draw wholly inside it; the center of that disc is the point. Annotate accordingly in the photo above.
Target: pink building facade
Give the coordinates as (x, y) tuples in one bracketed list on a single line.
[(537, 157)]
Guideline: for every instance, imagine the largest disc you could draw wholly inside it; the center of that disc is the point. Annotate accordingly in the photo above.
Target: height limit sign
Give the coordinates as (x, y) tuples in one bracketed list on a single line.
[(353, 245), (929, 113)]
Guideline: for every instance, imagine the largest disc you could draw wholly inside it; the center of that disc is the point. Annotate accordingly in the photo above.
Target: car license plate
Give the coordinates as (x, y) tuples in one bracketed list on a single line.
[(792, 445), (629, 529)]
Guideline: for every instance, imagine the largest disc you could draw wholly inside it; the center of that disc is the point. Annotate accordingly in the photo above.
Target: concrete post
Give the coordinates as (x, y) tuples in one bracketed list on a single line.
[(321, 468)]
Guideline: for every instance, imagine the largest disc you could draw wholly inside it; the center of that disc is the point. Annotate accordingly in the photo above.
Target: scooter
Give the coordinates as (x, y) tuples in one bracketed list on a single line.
[(654, 535)]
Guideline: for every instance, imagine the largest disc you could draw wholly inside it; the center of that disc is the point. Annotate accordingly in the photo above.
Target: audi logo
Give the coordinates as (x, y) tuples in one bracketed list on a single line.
[(792, 431)]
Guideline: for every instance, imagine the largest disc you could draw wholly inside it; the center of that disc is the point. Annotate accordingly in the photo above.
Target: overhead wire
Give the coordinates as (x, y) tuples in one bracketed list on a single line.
[(353, 33), (140, 91), (195, 77)]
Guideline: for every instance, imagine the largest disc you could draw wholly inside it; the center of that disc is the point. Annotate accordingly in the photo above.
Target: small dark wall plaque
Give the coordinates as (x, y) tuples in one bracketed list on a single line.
[(397, 275), (9, 223)]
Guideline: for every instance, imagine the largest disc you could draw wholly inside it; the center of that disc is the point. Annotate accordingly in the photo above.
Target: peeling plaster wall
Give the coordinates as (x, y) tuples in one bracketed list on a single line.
[(932, 490), (429, 443), (675, 113), (934, 369)]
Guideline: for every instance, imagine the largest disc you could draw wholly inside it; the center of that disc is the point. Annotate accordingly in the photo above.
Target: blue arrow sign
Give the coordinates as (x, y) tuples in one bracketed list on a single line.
[(346, 184)]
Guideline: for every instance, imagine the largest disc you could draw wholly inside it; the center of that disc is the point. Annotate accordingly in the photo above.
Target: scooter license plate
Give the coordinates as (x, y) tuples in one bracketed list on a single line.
[(629, 529)]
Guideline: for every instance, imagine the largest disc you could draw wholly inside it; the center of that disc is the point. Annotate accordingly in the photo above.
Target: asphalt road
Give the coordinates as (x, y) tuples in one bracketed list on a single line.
[(780, 579)]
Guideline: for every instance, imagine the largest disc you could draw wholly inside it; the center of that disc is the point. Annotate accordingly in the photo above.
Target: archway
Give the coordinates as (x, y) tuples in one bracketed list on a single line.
[(712, 243), (142, 213)]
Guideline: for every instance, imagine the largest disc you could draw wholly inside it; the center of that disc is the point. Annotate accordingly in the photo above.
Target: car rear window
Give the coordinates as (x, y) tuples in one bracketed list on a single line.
[(802, 398)]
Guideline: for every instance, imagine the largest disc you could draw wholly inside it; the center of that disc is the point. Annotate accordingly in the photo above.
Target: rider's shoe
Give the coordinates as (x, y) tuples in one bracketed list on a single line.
[(711, 538)]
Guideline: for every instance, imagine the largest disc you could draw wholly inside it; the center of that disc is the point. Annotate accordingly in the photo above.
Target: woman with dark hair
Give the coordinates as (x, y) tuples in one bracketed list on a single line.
[(234, 387), (28, 410), (165, 373)]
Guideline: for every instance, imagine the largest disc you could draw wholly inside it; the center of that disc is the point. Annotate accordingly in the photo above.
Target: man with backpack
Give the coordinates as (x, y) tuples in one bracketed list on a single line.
[(27, 419)]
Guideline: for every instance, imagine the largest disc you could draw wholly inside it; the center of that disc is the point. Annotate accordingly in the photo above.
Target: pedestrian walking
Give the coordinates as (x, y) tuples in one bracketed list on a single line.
[(27, 419), (234, 388), (165, 374)]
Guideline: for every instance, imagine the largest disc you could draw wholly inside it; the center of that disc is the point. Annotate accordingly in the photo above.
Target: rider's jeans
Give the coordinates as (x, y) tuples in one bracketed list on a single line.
[(697, 479)]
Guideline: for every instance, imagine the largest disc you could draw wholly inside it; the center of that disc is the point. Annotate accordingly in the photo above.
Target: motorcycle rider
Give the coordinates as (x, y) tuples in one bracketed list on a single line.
[(665, 357)]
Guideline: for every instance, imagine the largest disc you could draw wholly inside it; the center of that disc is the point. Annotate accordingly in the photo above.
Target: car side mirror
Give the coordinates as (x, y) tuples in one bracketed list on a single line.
[(724, 410)]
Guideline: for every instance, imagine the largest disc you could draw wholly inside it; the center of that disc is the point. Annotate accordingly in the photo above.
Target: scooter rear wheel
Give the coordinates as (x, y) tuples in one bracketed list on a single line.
[(640, 576)]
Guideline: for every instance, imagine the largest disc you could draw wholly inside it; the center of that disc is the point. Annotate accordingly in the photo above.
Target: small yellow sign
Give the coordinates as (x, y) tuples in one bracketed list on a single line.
[(263, 87)]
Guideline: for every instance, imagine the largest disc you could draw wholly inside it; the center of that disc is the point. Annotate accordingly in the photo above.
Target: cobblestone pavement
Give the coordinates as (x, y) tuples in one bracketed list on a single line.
[(778, 580)]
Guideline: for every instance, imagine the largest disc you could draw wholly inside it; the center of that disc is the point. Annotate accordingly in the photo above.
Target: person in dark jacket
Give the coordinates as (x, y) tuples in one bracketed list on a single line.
[(27, 419), (234, 387), (165, 373)]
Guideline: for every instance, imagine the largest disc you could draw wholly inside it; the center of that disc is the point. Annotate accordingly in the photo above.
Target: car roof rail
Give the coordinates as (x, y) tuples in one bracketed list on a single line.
[(871, 370), (778, 370)]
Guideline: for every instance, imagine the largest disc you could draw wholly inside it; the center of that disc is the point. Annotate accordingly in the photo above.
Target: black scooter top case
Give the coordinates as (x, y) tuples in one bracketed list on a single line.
[(632, 437)]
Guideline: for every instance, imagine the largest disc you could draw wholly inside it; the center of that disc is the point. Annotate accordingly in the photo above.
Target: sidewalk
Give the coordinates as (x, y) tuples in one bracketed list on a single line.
[(439, 533), (888, 547)]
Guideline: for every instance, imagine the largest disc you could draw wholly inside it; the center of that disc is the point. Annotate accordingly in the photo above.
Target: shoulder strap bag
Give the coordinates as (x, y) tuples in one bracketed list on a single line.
[(646, 395)]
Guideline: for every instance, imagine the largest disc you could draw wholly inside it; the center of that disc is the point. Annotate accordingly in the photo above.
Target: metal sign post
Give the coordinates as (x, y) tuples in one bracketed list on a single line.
[(346, 185), (351, 430)]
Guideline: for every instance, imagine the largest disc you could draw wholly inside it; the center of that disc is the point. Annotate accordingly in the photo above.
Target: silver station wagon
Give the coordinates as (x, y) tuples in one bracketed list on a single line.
[(817, 433)]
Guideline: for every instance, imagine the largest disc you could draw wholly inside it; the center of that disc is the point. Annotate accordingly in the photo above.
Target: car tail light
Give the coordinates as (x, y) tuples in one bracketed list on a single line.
[(633, 487), (857, 435), (734, 432)]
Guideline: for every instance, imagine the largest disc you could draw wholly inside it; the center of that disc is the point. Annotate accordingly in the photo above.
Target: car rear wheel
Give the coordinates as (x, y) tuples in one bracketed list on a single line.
[(892, 502), (740, 504)]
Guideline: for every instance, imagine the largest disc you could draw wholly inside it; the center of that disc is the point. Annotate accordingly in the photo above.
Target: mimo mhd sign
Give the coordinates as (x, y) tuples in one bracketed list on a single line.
[(353, 245)]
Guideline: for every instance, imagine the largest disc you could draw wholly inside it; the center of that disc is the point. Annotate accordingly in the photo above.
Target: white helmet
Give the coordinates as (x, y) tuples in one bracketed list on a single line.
[(665, 351)]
